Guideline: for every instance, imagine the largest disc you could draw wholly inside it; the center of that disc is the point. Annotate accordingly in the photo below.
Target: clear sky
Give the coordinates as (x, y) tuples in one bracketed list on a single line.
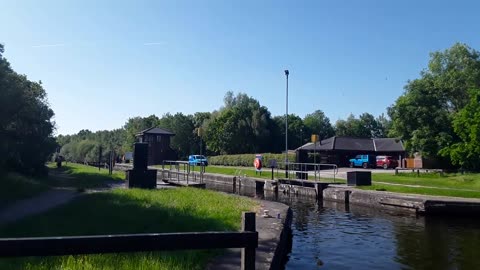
[(104, 61)]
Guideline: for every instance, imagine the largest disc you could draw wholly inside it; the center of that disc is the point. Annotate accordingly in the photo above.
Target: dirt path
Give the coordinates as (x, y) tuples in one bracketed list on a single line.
[(38, 204)]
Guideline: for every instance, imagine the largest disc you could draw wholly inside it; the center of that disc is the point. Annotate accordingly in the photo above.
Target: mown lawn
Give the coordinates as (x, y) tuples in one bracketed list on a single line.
[(131, 211), (454, 181), (15, 187), (81, 176), (423, 190)]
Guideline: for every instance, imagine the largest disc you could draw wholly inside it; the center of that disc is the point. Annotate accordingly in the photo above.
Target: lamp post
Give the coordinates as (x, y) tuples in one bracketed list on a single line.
[(286, 127)]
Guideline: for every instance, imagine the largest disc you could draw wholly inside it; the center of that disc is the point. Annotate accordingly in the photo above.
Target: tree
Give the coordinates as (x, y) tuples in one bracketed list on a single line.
[(298, 134), (183, 127), (318, 123), (422, 116), (241, 126), (352, 127), (135, 125), (466, 124), (26, 124)]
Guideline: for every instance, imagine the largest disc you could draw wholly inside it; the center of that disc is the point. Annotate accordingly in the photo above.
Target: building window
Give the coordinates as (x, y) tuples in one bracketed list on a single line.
[(159, 138)]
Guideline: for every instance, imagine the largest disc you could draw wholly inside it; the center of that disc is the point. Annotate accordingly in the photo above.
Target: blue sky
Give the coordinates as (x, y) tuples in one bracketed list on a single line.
[(102, 62)]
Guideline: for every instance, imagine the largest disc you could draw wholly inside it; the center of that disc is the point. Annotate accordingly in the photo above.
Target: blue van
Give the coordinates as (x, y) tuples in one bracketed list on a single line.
[(197, 160)]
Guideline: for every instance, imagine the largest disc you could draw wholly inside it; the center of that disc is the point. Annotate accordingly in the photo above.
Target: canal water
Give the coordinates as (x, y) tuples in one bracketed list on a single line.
[(330, 235)]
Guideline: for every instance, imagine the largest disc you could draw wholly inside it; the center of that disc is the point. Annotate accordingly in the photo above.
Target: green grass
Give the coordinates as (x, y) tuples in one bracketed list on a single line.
[(81, 176), (131, 211), (454, 181), (423, 191), (16, 187)]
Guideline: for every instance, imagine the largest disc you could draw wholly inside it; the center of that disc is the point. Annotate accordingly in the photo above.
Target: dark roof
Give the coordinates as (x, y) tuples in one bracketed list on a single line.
[(156, 131), (388, 145), (359, 144), (356, 144)]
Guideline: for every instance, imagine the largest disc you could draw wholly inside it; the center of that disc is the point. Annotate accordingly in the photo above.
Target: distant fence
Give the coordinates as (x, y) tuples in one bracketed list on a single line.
[(247, 239)]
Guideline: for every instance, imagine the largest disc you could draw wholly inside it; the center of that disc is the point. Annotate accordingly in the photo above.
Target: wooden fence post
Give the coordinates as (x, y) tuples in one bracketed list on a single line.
[(248, 254)]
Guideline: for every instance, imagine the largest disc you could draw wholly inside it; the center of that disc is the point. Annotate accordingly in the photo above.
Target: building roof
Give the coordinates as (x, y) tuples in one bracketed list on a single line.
[(356, 144), (156, 131)]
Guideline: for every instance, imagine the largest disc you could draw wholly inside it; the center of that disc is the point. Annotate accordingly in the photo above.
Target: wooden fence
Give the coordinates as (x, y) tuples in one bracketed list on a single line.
[(247, 239)]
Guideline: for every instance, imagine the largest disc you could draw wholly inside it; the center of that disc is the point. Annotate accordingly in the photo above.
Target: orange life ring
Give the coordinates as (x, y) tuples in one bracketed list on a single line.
[(257, 163)]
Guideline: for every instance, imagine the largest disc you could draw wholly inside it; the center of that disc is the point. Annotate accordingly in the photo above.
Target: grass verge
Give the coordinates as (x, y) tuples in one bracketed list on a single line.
[(423, 190), (131, 211), (17, 187), (81, 176), (454, 181)]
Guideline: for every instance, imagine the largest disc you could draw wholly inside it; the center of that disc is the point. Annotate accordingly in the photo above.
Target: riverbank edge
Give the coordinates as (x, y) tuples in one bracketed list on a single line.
[(414, 203), (274, 239), (411, 203)]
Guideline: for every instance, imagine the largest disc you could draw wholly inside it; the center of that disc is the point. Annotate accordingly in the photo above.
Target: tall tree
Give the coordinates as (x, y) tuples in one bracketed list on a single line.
[(422, 116), (183, 127), (135, 125), (298, 134), (466, 124), (318, 123), (241, 126), (26, 124)]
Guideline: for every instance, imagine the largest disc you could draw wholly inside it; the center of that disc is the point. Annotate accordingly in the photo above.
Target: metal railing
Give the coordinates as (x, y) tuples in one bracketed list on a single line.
[(176, 170), (306, 171), (247, 240)]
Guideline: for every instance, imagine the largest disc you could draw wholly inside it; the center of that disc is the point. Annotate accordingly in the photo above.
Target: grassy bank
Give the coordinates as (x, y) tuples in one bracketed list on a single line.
[(81, 176), (423, 191), (451, 185), (454, 181), (17, 187), (132, 211)]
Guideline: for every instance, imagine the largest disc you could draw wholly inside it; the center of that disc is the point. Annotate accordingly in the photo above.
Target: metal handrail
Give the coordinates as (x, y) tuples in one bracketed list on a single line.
[(181, 170), (292, 168)]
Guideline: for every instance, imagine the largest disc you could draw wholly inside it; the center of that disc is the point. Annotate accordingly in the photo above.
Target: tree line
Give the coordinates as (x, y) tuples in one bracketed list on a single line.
[(437, 115), (241, 125)]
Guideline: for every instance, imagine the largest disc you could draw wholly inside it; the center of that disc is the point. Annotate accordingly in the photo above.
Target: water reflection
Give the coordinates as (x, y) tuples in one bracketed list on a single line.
[(330, 235)]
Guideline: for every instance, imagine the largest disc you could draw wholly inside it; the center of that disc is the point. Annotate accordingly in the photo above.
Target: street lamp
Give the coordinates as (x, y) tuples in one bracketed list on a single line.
[(286, 127)]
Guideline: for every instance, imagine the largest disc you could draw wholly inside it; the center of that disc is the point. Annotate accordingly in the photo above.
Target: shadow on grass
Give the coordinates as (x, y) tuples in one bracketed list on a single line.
[(82, 177), (17, 187), (131, 211)]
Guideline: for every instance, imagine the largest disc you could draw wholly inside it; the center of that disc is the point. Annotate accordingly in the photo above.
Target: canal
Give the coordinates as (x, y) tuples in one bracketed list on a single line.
[(330, 235)]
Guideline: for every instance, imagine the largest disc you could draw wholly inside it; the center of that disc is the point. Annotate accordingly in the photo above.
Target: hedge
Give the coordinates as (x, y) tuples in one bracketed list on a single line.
[(246, 160)]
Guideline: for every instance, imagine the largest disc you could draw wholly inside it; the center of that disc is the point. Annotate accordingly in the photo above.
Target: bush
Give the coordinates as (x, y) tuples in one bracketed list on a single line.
[(246, 160)]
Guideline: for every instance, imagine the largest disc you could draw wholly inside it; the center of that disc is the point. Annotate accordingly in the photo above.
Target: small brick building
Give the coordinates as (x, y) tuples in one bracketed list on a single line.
[(158, 140)]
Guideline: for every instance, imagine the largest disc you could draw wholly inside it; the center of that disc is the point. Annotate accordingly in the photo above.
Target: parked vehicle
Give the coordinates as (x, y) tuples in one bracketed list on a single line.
[(365, 161), (386, 162), (197, 160)]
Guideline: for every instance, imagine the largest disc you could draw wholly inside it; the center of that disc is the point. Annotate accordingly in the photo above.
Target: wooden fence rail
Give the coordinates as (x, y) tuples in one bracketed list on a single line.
[(247, 239)]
